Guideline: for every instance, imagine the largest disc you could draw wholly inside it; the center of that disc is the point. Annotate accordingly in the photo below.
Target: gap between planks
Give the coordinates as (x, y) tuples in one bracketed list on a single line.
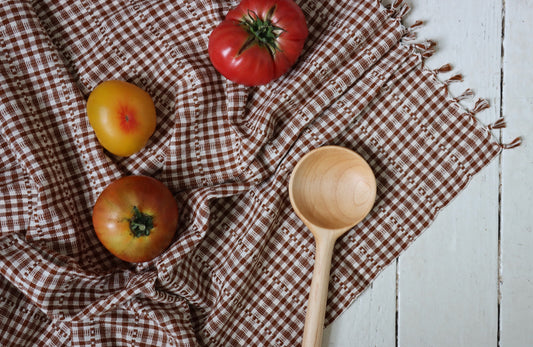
[(500, 176)]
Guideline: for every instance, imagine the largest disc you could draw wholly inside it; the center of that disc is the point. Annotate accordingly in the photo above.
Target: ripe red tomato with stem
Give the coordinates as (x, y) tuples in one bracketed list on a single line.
[(135, 218), (258, 41)]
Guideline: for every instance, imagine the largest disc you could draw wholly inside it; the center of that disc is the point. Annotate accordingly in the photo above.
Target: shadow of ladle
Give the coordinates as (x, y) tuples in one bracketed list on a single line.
[(331, 189)]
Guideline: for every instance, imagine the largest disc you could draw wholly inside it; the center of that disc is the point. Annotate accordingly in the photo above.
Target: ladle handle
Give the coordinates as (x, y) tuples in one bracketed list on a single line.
[(318, 295)]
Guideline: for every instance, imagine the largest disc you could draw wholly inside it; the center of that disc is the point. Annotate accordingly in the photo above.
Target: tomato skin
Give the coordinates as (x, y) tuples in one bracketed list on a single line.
[(258, 63), (113, 212), (122, 115)]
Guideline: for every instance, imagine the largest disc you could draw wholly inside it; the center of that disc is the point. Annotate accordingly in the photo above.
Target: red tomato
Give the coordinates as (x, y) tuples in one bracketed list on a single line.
[(135, 218), (258, 41), (122, 115)]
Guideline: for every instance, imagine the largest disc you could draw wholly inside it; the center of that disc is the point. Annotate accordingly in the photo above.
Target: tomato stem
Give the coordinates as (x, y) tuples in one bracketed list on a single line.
[(262, 31), (141, 223)]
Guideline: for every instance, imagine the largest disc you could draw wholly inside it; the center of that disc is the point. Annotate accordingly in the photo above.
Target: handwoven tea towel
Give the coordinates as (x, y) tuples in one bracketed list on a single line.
[(239, 269)]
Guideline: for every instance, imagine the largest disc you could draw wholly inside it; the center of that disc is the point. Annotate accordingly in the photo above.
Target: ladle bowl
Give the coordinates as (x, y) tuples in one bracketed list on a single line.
[(331, 189)]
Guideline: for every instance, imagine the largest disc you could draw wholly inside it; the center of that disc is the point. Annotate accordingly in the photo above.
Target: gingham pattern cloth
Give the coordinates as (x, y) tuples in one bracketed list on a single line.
[(239, 270)]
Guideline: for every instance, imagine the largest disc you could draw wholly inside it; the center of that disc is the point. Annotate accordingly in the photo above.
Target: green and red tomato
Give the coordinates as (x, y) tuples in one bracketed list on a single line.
[(135, 218)]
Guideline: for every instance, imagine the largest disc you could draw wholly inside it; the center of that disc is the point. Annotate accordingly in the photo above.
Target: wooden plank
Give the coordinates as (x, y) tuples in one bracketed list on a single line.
[(448, 280), (516, 311), (370, 321)]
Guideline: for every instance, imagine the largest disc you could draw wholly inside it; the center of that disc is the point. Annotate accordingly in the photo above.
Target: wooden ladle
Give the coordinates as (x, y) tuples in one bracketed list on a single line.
[(331, 189)]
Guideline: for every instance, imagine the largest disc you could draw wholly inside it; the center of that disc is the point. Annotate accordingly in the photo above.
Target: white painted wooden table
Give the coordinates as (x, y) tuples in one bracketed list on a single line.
[(468, 280)]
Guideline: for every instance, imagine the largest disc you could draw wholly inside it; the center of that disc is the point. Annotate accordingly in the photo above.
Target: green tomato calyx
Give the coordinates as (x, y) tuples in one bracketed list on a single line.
[(141, 224), (262, 31)]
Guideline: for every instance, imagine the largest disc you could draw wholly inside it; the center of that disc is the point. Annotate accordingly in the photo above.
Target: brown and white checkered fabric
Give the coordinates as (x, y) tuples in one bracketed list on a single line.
[(239, 270)]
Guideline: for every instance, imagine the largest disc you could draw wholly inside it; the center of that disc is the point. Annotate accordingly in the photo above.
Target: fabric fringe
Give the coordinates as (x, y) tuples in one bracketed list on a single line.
[(412, 32), (416, 25), (410, 36), (402, 11), (444, 68), (398, 9), (480, 105), (455, 78), (498, 124), (513, 144), (426, 49), (396, 4), (467, 94)]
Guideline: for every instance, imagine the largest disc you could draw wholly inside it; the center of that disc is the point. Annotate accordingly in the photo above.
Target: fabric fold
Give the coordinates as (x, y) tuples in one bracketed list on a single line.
[(239, 268)]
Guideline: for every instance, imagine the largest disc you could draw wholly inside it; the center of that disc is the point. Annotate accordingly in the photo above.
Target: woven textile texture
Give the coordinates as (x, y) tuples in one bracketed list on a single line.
[(240, 266)]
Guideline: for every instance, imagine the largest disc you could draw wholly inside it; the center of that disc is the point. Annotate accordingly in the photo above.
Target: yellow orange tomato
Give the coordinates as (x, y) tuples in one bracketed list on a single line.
[(122, 115)]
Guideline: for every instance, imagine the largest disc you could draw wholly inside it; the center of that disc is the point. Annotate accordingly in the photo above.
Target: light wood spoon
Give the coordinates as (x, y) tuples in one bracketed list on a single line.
[(331, 190)]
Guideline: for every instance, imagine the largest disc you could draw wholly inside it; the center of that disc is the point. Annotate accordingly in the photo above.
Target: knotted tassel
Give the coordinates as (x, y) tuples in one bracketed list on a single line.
[(498, 124), (393, 7), (396, 6), (416, 25), (410, 36), (455, 78), (426, 48), (515, 143), (428, 53), (411, 33), (443, 68), (402, 11), (425, 45), (467, 94), (480, 105), (397, 3)]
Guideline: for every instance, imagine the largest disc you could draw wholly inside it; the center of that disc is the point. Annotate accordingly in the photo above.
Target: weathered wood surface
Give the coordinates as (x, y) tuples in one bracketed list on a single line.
[(468, 280)]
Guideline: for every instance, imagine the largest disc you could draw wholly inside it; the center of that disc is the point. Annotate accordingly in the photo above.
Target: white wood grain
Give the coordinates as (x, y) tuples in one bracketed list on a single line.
[(468, 280), (371, 320), (517, 179), (448, 280)]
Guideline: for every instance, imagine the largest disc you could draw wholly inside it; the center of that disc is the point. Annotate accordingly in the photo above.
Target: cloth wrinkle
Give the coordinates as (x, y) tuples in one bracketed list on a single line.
[(239, 269)]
